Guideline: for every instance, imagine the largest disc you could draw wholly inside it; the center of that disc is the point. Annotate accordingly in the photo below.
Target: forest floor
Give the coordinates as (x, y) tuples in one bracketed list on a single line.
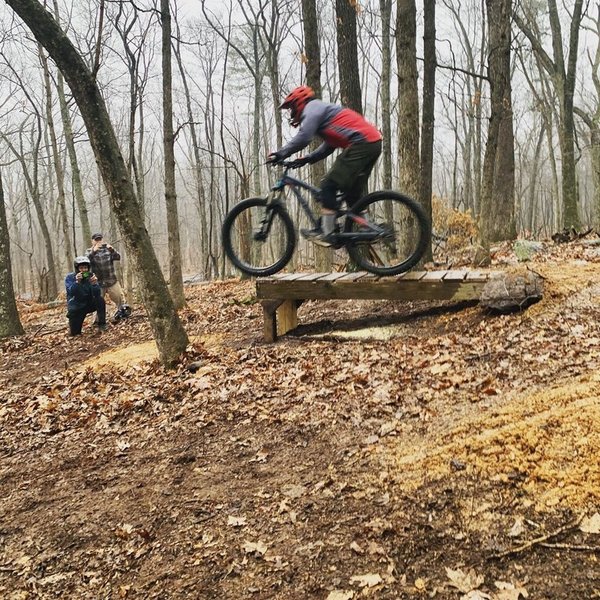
[(385, 450)]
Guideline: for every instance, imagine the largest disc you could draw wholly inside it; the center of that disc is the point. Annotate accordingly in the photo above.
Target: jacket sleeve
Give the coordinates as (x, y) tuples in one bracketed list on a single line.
[(90, 254), (312, 117), (115, 255), (323, 151), (72, 288)]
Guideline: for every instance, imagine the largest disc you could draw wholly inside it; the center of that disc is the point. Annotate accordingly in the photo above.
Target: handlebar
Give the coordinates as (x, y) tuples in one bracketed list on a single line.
[(277, 163), (286, 164)]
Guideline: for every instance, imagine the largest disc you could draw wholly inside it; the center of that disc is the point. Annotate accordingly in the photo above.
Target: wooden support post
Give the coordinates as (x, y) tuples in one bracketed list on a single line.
[(280, 316), (270, 319), (287, 317)]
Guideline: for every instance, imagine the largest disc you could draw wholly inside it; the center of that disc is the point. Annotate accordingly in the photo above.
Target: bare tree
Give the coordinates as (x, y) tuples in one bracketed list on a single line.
[(70, 140), (10, 324), (496, 219), (312, 56), (544, 105), (48, 276), (169, 334), (57, 161), (386, 108), (562, 70), (254, 61), (427, 129), (175, 272), (408, 118), (199, 192), (468, 20), (591, 118), (347, 54), (134, 32)]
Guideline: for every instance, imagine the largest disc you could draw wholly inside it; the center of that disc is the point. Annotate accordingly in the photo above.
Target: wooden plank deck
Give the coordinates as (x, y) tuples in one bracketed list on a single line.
[(281, 295)]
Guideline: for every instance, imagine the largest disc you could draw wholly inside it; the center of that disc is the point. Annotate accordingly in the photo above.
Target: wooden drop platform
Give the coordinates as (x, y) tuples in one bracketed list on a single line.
[(282, 294)]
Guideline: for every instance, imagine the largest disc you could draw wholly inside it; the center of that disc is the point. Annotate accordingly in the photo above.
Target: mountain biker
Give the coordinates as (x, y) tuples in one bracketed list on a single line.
[(84, 296), (338, 127)]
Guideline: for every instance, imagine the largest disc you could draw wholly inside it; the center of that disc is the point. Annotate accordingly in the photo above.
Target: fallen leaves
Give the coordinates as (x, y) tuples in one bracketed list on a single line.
[(259, 548), (470, 582), (340, 595), (464, 582), (591, 524), (509, 591), (368, 580), (260, 465), (236, 521)]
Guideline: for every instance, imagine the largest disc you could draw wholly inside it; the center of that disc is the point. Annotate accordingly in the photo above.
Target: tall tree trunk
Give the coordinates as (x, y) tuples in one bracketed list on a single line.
[(408, 96), (175, 270), (258, 107), (531, 212), (497, 219), (567, 131), (386, 108), (348, 54), (48, 283), (86, 232), (427, 128), (563, 74), (10, 324), (58, 166), (169, 334), (312, 53), (204, 236)]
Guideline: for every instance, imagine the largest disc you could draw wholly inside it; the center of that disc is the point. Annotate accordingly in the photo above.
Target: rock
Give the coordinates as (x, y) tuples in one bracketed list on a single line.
[(508, 292), (526, 249), (194, 366)]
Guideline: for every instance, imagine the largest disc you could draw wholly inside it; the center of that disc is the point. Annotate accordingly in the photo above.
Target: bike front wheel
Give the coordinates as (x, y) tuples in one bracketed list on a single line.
[(258, 237), (404, 238)]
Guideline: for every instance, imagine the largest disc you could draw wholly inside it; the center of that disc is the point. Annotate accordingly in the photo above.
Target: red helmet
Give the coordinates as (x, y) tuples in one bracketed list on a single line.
[(296, 100)]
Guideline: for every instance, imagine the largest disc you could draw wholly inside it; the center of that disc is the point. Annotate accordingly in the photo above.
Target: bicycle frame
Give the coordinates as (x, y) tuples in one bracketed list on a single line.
[(293, 184), (372, 231)]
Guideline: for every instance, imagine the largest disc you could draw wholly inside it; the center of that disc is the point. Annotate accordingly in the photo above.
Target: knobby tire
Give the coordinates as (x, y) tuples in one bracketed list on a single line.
[(411, 230), (244, 251)]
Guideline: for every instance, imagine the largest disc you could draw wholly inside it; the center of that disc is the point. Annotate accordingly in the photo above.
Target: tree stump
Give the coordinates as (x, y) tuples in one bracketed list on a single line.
[(509, 292)]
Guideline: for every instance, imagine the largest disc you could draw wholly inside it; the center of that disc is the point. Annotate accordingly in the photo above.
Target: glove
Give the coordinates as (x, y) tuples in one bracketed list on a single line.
[(299, 162), (274, 158)]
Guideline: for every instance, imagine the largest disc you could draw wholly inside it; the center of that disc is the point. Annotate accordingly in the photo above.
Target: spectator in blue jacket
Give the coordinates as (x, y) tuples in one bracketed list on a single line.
[(84, 296)]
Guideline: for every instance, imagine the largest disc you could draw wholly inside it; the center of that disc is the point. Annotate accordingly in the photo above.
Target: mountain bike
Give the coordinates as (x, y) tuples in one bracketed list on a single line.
[(385, 233)]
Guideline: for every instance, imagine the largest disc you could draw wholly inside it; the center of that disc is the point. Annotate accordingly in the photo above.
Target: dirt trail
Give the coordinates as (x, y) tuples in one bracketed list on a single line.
[(396, 466)]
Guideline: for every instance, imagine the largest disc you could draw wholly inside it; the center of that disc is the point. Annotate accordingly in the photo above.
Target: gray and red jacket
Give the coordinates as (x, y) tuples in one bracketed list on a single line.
[(337, 126)]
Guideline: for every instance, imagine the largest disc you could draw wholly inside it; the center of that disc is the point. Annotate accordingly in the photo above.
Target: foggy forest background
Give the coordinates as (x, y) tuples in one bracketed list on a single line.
[(232, 63)]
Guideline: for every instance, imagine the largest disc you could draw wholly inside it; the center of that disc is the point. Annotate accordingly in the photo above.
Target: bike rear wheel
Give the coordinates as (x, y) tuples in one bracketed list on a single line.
[(405, 238), (258, 237)]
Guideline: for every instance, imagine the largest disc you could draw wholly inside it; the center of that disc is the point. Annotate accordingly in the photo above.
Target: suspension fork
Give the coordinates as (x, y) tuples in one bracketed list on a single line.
[(273, 199)]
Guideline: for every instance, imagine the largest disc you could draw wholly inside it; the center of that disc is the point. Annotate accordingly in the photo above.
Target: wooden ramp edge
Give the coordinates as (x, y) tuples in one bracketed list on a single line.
[(282, 294)]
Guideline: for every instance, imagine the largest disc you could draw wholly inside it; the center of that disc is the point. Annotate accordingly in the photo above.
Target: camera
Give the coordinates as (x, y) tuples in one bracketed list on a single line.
[(103, 246)]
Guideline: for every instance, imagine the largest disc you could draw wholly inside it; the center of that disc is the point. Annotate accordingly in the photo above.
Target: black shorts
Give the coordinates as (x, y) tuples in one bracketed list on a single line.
[(353, 166)]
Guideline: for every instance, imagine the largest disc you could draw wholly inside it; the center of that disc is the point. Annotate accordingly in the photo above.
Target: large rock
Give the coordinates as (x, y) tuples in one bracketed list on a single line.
[(526, 249), (508, 292)]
